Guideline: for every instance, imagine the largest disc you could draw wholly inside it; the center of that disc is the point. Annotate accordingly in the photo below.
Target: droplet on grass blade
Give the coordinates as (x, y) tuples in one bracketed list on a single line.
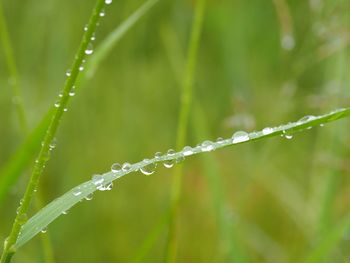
[(240, 136)]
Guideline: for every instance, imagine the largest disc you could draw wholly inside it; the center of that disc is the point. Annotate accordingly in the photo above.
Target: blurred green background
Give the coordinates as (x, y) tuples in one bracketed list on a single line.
[(260, 63)]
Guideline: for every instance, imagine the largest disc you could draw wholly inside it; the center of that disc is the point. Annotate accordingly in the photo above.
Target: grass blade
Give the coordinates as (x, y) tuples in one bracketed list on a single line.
[(44, 153), (10, 173), (186, 100), (328, 242), (54, 209), (20, 160), (12, 68)]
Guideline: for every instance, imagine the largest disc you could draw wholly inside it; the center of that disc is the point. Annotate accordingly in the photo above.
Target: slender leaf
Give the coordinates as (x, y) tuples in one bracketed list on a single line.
[(57, 207)]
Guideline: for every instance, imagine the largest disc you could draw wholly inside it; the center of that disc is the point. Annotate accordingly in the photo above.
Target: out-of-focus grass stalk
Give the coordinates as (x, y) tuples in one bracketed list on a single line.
[(186, 97), (227, 225), (17, 99), (176, 59), (286, 24), (44, 153), (17, 163), (18, 102), (151, 238)]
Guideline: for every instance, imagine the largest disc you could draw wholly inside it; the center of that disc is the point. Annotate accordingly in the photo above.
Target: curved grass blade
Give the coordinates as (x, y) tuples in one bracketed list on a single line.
[(113, 38), (20, 160), (54, 209), (10, 173), (329, 241)]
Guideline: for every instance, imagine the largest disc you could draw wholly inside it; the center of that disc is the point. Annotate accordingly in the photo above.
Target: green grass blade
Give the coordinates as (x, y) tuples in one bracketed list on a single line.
[(328, 242), (13, 73), (186, 100), (44, 152), (113, 38), (23, 155), (57, 207), (10, 173)]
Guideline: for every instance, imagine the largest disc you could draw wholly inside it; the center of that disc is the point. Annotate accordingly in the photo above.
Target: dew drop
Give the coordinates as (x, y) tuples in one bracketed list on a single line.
[(187, 150), (108, 2), (157, 155), (57, 104), (102, 13), (89, 197), (170, 152), (321, 125), (240, 136), (126, 167), (97, 179), (168, 163), (85, 28), (81, 68), (108, 186), (65, 109), (267, 130), (116, 168), (307, 118), (220, 140), (43, 230), (77, 192), (72, 91), (288, 136), (65, 212), (60, 95), (207, 146), (68, 72), (149, 168), (180, 159), (53, 144), (89, 50)]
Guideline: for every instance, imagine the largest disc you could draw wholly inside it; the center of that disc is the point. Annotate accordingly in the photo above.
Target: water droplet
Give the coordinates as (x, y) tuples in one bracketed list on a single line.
[(220, 140), (89, 197), (126, 167), (65, 212), (207, 146), (307, 118), (76, 192), (93, 38), (22, 218), (288, 136), (321, 125), (116, 168), (171, 152), (187, 150), (102, 13), (57, 104), (97, 179), (65, 109), (53, 144), (267, 130), (85, 28), (60, 95), (180, 159), (157, 155), (149, 168), (168, 163), (89, 50), (68, 72), (240, 136), (108, 186), (108, 2), (81, 68), (72, 91), (43, 230)]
